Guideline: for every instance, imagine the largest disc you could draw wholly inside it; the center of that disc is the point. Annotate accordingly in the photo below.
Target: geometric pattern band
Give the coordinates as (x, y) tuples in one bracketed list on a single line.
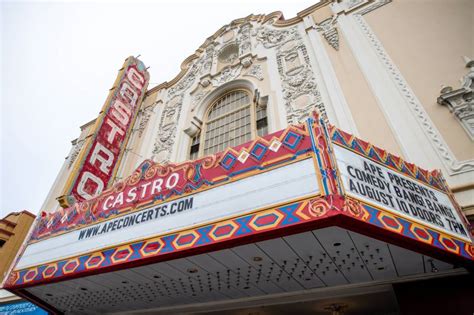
[(234, 228), (404, 227), (299, 212)]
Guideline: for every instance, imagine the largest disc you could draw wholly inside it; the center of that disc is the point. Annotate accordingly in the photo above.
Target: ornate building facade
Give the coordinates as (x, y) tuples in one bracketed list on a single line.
[(397, 74), (342, 59)]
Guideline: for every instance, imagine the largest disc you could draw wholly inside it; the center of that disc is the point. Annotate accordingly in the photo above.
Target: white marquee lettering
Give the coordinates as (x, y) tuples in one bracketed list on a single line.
[(119, 200), (113, 131), (144, 188), (88, 176), (132, 194), (129, 94), (172, 181), (105, 163), (121, 112), (156, 188), (136, 78), (107, 204)]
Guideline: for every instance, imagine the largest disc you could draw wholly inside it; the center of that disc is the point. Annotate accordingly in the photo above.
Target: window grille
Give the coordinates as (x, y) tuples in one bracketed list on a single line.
[(231, 120)]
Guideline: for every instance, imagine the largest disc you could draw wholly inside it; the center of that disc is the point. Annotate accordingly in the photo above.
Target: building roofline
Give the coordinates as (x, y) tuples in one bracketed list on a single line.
[(280, 21), (18, 213)]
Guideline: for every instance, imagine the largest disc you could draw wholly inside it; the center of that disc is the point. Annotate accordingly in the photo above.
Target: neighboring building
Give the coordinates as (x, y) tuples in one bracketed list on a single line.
[(13, 230), (280, 218)]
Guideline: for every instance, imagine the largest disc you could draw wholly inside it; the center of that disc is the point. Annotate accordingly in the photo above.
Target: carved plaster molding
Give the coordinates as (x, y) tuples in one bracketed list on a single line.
[(351, 4), (255, 71), (461, 101), (299, 87), (197, 98), (200, 68), (275, 18), (227, 74), (243, 37), (298, 82), (168, 127), (375, 5), (145, 117), (75, 152), (208, 59), (358, 6), (329, 30), (452, 164), (188, 79), (229, 53)]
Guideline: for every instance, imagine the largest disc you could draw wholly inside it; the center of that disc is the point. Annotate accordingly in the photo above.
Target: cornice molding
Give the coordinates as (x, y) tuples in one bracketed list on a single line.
[(451, 163)]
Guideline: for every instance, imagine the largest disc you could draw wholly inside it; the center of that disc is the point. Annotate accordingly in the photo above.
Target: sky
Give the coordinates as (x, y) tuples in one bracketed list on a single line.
[(59, 59)]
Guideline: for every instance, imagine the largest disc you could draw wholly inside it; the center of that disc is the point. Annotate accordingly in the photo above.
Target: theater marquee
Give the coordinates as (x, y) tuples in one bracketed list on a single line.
[(303, 178)]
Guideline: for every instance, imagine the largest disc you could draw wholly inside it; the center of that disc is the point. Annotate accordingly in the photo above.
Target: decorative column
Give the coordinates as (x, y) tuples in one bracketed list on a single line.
[(461, 101)]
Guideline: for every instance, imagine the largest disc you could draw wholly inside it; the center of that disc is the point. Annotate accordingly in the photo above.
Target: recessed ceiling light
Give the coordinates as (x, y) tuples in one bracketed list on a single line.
[(257, 258)]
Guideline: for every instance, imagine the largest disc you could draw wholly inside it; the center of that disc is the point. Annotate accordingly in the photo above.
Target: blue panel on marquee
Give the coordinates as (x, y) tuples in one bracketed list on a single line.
[(258, 151), (228, 161), (292, 140)]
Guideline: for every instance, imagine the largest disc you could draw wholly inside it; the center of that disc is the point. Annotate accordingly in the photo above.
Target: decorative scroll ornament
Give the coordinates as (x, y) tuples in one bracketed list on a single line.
[(208, 59), (243, 37), (461, 101), (145, 117), (329, 31), (271, 38), (168, 127), (198, 97), (228, 74), (255, 71), (172, 111), (354, 208), (318, 208), (300, 90)]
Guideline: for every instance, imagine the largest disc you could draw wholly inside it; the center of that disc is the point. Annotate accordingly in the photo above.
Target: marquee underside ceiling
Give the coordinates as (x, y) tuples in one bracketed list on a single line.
[(328, 257)]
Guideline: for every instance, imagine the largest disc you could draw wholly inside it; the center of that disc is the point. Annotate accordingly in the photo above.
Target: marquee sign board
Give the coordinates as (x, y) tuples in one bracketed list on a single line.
[(290, 182), (377, 184), (303, 177), (99, 158)]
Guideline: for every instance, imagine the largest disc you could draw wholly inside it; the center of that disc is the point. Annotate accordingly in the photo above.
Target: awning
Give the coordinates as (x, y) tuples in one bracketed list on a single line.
[(305, 208)]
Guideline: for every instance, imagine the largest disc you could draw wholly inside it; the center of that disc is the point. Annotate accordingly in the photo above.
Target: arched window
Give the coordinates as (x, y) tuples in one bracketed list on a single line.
[(232, 119)]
